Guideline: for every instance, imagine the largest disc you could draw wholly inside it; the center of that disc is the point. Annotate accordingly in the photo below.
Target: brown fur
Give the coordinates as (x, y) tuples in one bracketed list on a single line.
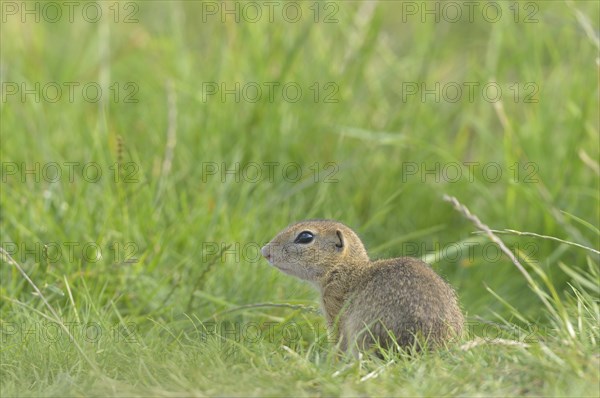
[(366, 302)]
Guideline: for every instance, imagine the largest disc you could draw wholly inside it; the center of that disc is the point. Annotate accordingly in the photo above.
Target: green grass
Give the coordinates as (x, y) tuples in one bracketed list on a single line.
[(178, 302)]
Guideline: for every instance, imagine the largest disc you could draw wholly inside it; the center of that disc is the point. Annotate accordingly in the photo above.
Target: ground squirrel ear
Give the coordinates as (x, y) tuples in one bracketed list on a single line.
[(340, 244)]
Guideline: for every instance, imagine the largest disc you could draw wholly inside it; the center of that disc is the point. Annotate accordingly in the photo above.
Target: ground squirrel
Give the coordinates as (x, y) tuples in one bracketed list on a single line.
[(364, 301)]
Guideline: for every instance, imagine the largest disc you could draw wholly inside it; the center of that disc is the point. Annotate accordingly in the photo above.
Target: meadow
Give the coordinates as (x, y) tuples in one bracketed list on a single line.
[(149, 149)]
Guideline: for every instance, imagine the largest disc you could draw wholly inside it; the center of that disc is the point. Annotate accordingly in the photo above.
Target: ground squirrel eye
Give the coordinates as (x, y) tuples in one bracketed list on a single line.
[(304, 237)]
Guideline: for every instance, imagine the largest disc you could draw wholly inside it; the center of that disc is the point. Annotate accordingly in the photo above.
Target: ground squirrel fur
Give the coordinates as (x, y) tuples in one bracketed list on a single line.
[(364, 301)]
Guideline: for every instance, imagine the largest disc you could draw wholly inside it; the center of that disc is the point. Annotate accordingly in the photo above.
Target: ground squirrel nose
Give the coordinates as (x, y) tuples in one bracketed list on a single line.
[(265, 252)]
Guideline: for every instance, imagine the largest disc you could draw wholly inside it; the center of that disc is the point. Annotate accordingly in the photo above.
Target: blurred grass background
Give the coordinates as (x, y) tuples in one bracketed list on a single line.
[(166, 213)]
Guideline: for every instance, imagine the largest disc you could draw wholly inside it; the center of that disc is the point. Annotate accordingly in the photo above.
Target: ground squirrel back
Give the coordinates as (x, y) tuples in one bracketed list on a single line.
[(385, 302)]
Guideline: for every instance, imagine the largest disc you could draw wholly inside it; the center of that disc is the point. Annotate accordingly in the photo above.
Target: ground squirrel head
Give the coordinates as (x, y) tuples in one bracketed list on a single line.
[(309, 249)]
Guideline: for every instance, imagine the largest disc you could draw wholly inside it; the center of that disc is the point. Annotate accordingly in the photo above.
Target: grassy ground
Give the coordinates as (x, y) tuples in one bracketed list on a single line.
[(138, 213)]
